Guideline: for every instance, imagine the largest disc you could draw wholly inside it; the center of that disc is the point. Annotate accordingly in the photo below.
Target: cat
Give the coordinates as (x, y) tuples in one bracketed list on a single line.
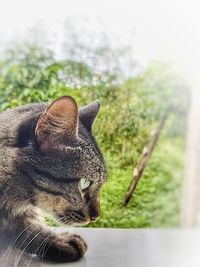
[(49, 161)]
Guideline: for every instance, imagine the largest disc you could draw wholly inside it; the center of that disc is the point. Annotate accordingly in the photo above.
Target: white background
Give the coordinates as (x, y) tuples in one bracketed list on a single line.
[(167, 30)]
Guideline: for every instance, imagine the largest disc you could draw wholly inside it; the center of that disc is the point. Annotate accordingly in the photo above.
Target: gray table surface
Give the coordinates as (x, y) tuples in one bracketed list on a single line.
[(138, 248)]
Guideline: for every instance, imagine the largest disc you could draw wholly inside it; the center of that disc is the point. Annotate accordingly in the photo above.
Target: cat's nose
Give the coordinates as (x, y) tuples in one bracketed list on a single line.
[(94, 210), (94, 215)]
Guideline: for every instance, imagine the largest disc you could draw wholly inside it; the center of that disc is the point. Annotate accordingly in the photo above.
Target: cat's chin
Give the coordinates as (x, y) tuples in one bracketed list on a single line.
[(79, 223), (86, 222), (73, 223)]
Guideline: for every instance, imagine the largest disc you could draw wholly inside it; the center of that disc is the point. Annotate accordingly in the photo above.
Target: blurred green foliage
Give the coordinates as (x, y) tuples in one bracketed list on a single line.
[(130, 110)]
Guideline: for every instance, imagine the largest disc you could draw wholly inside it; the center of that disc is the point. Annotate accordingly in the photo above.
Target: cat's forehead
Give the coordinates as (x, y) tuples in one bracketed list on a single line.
[(83, 160), (92, 165)]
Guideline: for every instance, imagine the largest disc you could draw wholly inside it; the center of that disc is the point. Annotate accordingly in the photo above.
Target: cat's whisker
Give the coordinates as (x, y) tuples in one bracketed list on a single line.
[(43, 245), (46, 247), (24, 249), (9, 250)]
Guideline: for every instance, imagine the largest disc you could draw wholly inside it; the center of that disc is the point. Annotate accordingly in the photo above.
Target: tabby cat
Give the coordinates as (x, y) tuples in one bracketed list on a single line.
[(51, 162)]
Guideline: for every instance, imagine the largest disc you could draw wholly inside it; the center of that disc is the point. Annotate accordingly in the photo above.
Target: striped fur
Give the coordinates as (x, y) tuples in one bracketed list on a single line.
[(45, 151)]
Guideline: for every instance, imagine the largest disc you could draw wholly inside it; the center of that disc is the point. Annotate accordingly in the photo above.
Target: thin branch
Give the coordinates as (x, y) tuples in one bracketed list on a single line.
[(147, 151)]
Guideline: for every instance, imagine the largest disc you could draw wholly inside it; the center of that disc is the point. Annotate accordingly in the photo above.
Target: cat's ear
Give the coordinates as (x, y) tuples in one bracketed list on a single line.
[(88, 114), (59, 122)]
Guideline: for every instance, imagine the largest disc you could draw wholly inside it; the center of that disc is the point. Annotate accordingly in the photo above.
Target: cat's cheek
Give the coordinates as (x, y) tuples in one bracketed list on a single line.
[(51, 204)]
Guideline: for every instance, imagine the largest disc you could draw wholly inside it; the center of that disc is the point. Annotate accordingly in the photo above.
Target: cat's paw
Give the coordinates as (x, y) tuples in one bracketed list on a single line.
[(66, 247), (73, 240)]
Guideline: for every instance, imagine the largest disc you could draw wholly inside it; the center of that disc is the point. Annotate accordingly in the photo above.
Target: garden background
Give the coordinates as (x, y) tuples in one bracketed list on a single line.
[(133, 100)]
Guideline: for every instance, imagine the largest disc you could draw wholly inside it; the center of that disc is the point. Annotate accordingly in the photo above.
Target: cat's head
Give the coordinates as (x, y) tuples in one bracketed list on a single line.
[(64, 162)]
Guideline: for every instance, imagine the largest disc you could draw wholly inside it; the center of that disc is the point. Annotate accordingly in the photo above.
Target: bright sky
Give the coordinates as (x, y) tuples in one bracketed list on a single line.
[(162, 29)]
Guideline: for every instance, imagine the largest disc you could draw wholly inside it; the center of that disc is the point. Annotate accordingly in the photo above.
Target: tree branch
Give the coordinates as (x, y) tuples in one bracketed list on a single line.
[(147, 151)]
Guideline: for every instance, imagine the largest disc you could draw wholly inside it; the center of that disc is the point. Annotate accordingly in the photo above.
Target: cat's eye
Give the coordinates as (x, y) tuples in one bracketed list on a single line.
[(85, 183)]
